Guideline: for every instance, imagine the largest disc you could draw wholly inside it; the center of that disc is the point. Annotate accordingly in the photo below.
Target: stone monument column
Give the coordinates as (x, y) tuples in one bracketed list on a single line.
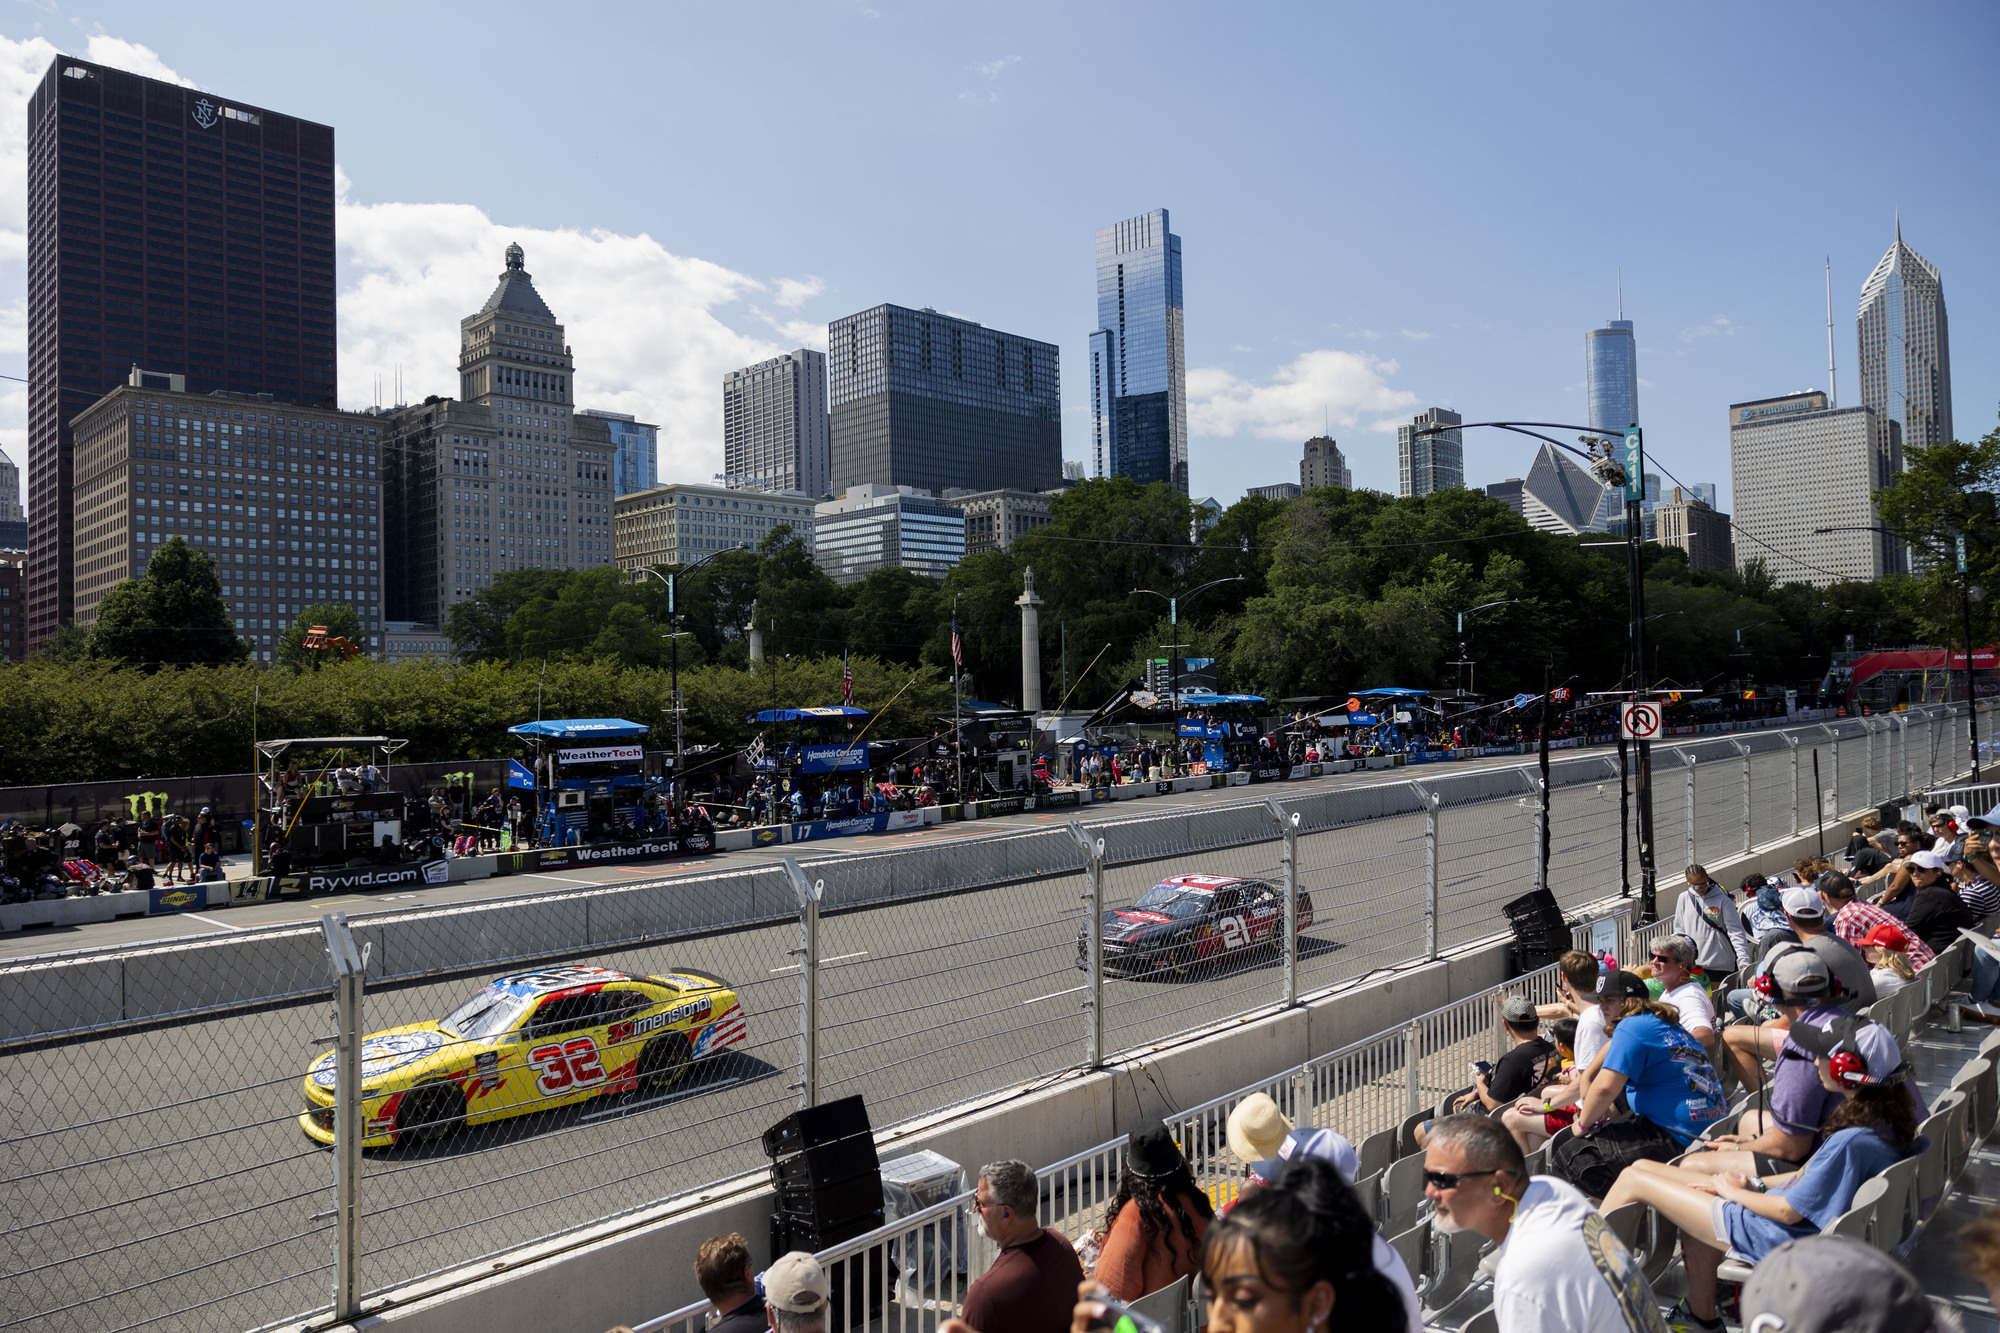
[(1031, 644)]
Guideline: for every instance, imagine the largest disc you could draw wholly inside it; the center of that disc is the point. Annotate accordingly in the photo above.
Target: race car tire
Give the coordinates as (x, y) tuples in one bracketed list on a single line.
[(429, 1111), (665, 1061)]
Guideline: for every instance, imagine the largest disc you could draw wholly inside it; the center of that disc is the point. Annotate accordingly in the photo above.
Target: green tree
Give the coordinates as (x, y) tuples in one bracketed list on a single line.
[(892, 613), (172, 615), (339, 620), (1946, 490), (477, 626)]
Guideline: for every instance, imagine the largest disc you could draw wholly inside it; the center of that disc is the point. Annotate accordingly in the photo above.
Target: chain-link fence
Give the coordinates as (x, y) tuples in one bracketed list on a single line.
[(543, 1062)]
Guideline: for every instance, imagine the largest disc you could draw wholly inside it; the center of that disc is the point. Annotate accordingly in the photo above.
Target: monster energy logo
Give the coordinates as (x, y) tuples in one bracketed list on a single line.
[(144, 803)]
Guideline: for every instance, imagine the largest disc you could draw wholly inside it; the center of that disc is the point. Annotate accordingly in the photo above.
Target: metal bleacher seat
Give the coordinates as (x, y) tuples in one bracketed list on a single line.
[(1377, 1151), (1860, 1222), (1975, 1079), (1883, 1012), (1413, 1246), (1402, 1193), (1905, 1005), (1406, 1142), (1961, 1143), (1943, 1127), (1167, 1306), (1896, 1214), (1990, 1047), (1449, 1100)]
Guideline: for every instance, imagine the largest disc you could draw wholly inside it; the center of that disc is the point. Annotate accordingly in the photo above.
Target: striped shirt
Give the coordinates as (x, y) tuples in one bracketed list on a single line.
[(1980, 895)]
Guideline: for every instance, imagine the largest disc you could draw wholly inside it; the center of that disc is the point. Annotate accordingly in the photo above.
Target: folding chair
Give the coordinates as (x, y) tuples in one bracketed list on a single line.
[(1167, 1306), (1858, 1222), (1377, 1151), (1402, 1193), (1896, 1214)]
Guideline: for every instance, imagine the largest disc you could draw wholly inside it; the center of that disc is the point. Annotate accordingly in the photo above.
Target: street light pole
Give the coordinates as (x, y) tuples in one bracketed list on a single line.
[(674, 649), (1173, 662)]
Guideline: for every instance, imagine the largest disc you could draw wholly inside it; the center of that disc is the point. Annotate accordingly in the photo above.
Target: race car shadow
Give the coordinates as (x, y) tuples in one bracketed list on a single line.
[(706, 1079), (1256, 960)]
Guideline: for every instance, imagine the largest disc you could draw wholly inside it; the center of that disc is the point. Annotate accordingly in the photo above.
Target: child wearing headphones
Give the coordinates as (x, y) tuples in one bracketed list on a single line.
[(1751, 1216)]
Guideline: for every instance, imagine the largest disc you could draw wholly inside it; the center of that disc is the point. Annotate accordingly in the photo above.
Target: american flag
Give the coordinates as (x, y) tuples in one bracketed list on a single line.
[(957, 655), (846, 680)]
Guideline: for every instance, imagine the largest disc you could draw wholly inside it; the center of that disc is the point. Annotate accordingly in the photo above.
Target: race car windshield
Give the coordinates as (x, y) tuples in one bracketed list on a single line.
[(487, 1014), (1171, 901)]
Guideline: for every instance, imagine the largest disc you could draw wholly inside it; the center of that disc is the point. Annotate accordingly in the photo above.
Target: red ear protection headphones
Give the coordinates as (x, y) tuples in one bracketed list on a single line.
[(1848, 1067), (1765, 983)]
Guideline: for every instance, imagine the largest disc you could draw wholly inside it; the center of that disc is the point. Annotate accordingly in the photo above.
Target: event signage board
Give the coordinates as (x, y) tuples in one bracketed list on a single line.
[(339, 879), (884, 822), (600, 754), (833, 758)]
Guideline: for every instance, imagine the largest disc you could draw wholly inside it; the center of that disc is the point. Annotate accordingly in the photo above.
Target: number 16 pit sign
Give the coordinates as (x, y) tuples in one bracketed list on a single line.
[(1639, 721)]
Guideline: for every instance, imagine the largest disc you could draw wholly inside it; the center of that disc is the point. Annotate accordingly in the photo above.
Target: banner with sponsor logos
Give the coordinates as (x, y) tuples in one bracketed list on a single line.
[(599, 754), (847, 828), (606, 853), (177, 898), (833, 758), (340, 879)]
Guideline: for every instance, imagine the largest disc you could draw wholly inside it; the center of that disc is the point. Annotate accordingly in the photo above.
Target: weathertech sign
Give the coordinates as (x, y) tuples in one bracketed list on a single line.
[(600, 754)]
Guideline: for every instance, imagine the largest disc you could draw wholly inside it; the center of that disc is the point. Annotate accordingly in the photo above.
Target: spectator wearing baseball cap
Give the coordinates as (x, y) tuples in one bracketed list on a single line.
[(1158, 1218), (1706, 914), (1834, 1282), (1750, 1216), (1668, 1082), (796, 1294), (1746, 1045), (1767, 1142), (1853, 918), (1523, 1068), (1886, 949), (1938, 913)]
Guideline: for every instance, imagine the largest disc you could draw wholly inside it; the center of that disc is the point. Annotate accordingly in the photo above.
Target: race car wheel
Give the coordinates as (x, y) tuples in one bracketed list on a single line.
[(665, 1061), (429, 1111)]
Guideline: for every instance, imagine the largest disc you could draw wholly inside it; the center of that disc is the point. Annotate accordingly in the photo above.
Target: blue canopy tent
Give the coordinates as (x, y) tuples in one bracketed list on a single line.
[(831, 714), (583, 729)]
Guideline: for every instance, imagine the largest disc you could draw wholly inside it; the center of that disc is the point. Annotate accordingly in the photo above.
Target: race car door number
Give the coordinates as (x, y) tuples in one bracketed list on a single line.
[(573, 1063), (1234, 936)]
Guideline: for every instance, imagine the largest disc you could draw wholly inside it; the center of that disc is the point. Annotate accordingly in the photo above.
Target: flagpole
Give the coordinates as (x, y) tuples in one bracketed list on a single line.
[(958, 724)]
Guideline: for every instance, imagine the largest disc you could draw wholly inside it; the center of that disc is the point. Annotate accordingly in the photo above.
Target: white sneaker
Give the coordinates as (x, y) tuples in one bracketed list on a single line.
[(1983, 1012)]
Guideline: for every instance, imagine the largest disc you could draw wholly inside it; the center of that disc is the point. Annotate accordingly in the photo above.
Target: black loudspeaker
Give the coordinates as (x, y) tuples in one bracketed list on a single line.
[(1541, 936), (826, 1174), (828, 1181)]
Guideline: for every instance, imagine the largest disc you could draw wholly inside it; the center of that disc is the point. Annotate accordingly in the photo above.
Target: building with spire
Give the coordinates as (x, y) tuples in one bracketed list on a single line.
[(1138, 355), (1611, 371), (1324, 465), (507, 475), (1905, 350)]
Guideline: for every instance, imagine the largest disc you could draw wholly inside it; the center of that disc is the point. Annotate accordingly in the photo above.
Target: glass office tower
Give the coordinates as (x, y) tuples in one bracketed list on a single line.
[(176, 231), (1611, 374), (1138, 356), (1906, 346)]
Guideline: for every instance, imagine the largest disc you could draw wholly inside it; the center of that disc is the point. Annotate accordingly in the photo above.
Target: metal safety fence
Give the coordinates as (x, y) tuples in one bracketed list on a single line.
[(536, 1064)]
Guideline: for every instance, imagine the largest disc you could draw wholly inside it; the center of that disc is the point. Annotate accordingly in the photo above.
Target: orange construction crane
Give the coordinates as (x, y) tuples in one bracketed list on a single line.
[(317, 640)]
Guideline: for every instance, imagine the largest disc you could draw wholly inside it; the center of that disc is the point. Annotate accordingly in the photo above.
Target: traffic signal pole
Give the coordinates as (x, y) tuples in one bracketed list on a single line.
[(1635, 489)]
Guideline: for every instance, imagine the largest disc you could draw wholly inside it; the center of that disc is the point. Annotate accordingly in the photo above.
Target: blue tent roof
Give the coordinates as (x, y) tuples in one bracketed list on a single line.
[(1394, 691), (1208, 697), (835, 712), (583, 729)]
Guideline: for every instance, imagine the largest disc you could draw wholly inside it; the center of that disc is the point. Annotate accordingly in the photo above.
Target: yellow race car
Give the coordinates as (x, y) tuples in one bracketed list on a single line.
[(528, 1043)]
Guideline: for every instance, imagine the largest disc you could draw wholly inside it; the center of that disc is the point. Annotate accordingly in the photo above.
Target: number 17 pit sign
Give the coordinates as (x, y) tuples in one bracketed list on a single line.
[(1639, 721)]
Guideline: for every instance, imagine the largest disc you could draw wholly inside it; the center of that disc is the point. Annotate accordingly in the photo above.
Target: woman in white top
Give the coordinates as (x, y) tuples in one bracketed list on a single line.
[(1887, 950)]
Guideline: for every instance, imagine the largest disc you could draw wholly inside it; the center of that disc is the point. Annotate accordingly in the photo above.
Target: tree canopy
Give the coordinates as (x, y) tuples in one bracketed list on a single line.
[(172, 615)]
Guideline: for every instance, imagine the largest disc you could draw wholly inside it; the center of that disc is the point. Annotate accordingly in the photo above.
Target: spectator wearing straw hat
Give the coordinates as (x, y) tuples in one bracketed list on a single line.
[(1158, 1218), (1256, 1128)]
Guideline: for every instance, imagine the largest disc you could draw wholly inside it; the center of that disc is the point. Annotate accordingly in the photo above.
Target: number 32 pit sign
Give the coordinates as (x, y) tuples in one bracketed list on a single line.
[(1639, 721)]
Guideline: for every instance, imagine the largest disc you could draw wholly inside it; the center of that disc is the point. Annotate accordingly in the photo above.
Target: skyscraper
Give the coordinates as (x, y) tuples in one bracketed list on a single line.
[(776, 435), (1796, 466), (931, 401), (1426, 463), (1138, 356), (13, 519), (1905, 350), (1611, 375), (131, 261), (1324, 465), (509, 478), (1559, 496), (635, 450)]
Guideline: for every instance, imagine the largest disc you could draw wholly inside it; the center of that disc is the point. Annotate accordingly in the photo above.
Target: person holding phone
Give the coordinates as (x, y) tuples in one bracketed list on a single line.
[(1523, 1069)]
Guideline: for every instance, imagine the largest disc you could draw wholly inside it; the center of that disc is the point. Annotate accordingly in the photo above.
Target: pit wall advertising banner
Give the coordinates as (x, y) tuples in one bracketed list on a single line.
[(847, 828), (610, 853)]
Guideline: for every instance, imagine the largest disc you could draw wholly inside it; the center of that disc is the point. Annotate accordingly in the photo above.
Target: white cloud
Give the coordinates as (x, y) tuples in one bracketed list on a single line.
[(1719, 327), (643, 321), (794, 292), (1415, 335), (1297, 399), (102, 48), (991, 69)]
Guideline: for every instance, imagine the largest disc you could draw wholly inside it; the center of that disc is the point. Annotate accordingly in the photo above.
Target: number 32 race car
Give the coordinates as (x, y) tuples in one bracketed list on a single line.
[(529, 1043), (1193, 923)]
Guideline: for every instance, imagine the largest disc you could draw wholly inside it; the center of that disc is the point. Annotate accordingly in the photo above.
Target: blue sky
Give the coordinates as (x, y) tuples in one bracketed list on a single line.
[(1383, 208)]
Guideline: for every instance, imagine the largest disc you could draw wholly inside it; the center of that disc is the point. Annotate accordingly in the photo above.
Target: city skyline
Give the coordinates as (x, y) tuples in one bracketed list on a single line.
[(1284, 326)]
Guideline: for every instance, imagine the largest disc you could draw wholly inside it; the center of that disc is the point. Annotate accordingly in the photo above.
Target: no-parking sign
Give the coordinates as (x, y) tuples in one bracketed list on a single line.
[(1639, 721)]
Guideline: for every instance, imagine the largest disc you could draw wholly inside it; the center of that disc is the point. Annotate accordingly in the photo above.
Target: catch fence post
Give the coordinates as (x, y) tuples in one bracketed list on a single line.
[(1413, 1037), (1868, 726), (810, 893), (1689, 760), (1288, 829), (1431, 803), (350, 966), (1793, 741), (1541, 833), (1744, 750), (1093, 937)]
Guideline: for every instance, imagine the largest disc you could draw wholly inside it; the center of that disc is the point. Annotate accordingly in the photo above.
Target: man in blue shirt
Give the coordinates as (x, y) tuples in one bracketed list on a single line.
[(1666, 1077)]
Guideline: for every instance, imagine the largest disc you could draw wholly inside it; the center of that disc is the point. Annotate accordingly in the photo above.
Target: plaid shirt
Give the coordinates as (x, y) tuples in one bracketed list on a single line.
[(1858, 918)]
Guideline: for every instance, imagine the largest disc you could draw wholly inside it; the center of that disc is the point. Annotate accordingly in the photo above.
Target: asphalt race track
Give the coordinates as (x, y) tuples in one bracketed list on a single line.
[(158, 1178)]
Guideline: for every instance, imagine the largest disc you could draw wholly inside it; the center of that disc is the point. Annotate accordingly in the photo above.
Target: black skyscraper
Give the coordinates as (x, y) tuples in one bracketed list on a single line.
[(171, 229)]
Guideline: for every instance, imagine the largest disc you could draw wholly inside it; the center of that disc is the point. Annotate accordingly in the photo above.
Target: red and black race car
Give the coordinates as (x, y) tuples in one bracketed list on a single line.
[(1193, 923)]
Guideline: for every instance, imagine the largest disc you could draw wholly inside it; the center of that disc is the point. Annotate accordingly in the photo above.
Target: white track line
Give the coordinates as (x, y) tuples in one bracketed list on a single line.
[(209, 920), (1053, 994), (824, 962)]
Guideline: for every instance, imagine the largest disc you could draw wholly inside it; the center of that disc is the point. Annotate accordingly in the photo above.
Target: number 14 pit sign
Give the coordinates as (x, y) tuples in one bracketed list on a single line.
[(1639, 721)]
